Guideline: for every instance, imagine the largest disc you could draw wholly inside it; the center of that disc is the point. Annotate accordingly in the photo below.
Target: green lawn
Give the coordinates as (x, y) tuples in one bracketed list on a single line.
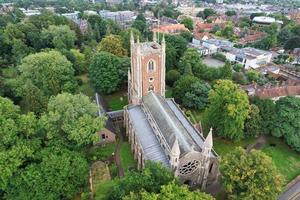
[(286, 160), (101, 152), (117, 100), (222, 146), (86, 87), (127, 159), (103, 188)]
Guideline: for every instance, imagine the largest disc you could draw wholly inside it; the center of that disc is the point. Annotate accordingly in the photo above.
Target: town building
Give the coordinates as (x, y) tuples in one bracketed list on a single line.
[(123, 18), (266, 20), (170, 29), (249, 57), (29, 13), (157, 128), (252, 37)]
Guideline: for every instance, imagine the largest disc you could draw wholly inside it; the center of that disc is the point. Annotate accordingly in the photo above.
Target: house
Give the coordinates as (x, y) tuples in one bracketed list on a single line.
[(252, 37), (273, 92), (199, 37), (106, 136), (170, 29), (217, 45), (204, 27), (249, 57), (156, 127), (123, 18)]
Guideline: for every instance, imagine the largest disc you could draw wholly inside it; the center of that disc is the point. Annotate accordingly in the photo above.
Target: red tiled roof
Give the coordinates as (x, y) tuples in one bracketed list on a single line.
[(267, 93), (199, 36), (172, 28)]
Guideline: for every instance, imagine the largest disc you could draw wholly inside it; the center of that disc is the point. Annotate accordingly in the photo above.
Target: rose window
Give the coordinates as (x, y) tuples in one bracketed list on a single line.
[(189, 167)]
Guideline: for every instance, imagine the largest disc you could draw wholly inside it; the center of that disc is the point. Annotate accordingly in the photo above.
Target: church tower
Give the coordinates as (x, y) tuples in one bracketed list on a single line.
[(147, 71)]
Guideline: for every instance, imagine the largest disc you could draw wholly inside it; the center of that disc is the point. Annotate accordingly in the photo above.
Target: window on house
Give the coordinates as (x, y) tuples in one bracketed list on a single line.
[(151, 66)]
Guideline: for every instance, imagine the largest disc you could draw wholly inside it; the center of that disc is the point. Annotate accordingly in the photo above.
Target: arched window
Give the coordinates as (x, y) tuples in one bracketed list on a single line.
[(151, 66), (189, 167), (151, 88)]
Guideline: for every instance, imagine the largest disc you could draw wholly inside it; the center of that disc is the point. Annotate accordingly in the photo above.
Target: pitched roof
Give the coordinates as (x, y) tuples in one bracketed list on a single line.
[(171, 28)]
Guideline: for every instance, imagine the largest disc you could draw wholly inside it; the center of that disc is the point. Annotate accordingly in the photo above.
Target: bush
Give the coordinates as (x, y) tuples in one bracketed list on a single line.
[(219, 56)]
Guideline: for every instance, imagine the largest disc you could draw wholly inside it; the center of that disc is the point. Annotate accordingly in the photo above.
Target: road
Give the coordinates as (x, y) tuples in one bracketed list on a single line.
[(293, 193)]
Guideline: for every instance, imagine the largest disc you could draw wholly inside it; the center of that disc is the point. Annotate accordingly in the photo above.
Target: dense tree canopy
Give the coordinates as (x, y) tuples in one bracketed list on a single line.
[(104, 70), (72, 118), (287, 123), (228, 109), (18, 141), (112, 44), (153, 176), (250, 175), (170, 191), (44, 74), (188, 23)]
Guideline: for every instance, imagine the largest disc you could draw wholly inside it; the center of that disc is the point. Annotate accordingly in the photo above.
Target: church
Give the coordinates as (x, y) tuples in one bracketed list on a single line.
[(157, 128)]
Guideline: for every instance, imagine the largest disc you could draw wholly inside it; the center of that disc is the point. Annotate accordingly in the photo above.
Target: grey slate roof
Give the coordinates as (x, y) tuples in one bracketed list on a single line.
[(150, 145), (169, 124)]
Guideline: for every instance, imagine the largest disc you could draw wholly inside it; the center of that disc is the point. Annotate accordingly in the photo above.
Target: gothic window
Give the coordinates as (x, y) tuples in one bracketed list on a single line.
[(151, 66), (189, 167), (151, 88)]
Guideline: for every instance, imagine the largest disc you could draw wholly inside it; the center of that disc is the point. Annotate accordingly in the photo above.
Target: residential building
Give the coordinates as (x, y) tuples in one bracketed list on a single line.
[(249, 57), (123, 18), (252, 37), (156, 127)]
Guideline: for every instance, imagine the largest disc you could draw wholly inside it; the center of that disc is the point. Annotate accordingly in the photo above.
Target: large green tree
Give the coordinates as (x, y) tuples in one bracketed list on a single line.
[(112, 44), (46, 73), (105, 71), (228, 109), (188, 23), (171, 191), (190, 57), (287, 122), (18, 140), (60, 37), (58, 175), (153, 176), (250, 175), (73, 120)]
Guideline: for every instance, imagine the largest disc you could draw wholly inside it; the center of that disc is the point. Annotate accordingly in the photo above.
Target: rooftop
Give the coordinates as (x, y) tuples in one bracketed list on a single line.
[(150, 145), (149, 47)]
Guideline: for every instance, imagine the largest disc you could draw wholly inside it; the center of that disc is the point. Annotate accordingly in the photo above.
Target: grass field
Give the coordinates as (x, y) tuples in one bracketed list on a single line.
[(286, 160), (127, 159), (101, 152), (222, 146), (103, 188), (117, 100)]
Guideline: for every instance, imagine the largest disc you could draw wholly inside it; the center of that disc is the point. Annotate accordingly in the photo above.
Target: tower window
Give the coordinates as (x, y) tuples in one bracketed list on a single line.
[(151, 79), (151, 88), (151, 66)]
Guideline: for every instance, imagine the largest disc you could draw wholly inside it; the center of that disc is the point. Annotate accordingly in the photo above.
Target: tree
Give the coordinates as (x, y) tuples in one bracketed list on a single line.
[(104, 72), (253, 122), (58, 175), (125, 37), (197, 96), (228, 109), (80, 63), (179, 44), (230, 13), (172, 76), (267, 112), (140, 24), (153, 176), (112, 44), (191, 57), (227, 31), (188, 23), (287, 121), (60, 37), (292, 43), (46, 73), (250, 175), (182, 86), (72, 119), (18, 140), (226, 71), (206, 13), (170, 191)]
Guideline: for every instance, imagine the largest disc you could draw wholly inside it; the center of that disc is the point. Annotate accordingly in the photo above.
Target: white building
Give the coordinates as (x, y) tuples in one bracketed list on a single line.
[(249, 57), (74, 16), (266, 20)]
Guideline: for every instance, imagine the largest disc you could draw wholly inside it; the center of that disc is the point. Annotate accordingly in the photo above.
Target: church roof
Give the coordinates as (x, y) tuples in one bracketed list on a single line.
[(173, 123), (149, 143)]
